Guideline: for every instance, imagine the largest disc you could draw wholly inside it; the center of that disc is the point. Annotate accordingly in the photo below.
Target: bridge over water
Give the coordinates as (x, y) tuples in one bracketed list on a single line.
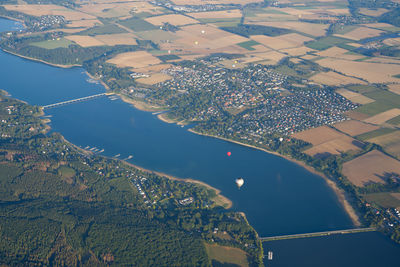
[(315, 234), (75, 100)]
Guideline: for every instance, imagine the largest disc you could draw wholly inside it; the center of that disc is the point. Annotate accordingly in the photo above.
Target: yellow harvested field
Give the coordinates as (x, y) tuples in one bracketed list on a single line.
[(290, 40), (111, 10), (226, 256), (383, 60), (309, 57), (395, 88), (87, 23), (154, 79), (373, 12), (84, 41), (153, 68), (319, 135), (297, 51), (174, 19), (360, 33), (333, 78), (326, 140), (235, 13), (354, 128), (41, 10), (337, 52), (205, 39), (378, 25), (372, 72), (274, 56), (354, 97), (261, 18), (368, 167), (354, 44), (392, 41), (383, 116), (214, 2), (138, 59), (117, 39)]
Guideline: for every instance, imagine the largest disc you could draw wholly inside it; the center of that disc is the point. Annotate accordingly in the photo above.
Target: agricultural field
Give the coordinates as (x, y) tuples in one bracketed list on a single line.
[(383, 117), (225, 14), (334, 78), (360, 33), (354, 97), (337, 52), (138, 59), (385, 200), (394, 88), (41, 10), (370, 167), (290, 40), (326, 141), (84, 41), (384, 101), (174, 19), (117, 39), (226, 256), (52, 44), (354, 128), (371, 72), (120, 9), (390, 142), (154, 79)]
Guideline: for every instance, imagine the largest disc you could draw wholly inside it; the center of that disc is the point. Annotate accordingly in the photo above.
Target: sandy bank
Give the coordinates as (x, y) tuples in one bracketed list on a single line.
[(140, 105), (219, 199)]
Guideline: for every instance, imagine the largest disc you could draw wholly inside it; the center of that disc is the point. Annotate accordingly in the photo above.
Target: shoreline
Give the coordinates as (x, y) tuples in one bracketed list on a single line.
[(219, 199), (140, 105), (41, 61), (340, 194), (164, 118)]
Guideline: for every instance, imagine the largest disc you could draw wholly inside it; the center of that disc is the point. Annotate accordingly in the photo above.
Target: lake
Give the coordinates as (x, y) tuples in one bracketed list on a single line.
[(278, 196)]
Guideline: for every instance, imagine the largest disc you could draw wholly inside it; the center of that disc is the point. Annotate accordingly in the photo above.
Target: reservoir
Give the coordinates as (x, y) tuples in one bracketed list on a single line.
[(278, 196)]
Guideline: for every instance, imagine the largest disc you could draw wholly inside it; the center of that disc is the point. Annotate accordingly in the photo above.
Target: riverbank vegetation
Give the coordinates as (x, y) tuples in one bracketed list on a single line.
[(61, 206)]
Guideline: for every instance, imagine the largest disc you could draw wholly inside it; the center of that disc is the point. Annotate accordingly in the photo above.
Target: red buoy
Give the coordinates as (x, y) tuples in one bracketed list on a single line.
[(229, 154)]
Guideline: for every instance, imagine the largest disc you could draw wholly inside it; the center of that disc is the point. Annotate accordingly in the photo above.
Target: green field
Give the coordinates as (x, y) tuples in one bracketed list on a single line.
[(362, 88), (384, 100), (384, 200), (168, 57), (221, 22), (138, 24), (52, 44), (327, 42), (156, 35), (106, 29), (66, 172), (376, 133), (394, 121), (248, 45)]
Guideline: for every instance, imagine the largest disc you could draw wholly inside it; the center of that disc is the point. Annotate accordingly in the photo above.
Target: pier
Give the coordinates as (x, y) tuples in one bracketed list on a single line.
[(75, 100), (315, 234)]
